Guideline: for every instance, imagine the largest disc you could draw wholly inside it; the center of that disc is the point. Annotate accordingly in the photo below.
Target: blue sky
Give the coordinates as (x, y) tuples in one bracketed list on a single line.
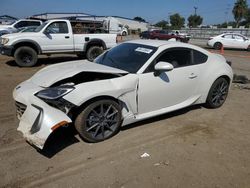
[(213, 11)]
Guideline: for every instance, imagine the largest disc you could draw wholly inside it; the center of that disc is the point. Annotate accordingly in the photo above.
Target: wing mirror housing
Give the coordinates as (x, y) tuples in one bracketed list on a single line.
[(163, 66)]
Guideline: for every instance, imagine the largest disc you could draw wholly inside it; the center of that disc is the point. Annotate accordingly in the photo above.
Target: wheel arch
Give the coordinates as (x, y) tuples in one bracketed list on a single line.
[(30, 43), (95, 42), (74, 112)]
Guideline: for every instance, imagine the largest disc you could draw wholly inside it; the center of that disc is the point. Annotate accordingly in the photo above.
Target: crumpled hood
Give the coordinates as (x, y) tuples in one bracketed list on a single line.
[(54, 73)]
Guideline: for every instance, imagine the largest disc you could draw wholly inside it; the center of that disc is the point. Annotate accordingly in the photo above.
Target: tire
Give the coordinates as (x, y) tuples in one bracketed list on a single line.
[(93, 52), (25, 56), (99, 121), (248, 48), (217, 46), (81, 56), (218, 93), (124, 33)]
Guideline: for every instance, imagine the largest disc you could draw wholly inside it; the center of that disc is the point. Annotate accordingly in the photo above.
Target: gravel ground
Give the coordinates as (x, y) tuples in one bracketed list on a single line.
[(193, 147)]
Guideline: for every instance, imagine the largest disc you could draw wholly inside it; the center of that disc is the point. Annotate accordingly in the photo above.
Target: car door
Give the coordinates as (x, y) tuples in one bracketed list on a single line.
[(168, 89), (239, 42), (227, 40), (56, 38)]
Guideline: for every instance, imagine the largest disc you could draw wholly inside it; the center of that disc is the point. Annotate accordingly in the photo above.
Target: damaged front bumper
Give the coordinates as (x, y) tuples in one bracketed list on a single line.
[(37, 119)]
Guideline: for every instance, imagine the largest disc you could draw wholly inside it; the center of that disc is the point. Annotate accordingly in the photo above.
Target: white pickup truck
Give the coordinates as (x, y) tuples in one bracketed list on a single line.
[(53, 37)]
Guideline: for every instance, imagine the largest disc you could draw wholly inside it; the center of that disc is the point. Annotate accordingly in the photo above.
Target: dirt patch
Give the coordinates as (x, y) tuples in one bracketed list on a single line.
[(193, 147)]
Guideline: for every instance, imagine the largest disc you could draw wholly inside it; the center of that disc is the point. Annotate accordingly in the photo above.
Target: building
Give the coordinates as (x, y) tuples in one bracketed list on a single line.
[(116, 22), (6, 19)]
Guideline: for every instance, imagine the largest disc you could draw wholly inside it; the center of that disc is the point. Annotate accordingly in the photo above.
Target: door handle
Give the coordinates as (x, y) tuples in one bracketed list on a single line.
[(67, 37), (192, 76)]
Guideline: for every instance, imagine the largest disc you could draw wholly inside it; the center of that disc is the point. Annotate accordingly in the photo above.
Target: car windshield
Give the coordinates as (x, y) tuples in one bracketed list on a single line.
[(129, 57), (39, 28)]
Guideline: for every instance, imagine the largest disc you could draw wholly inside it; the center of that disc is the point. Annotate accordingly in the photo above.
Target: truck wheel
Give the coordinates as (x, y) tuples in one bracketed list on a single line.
[(25, 56), (81, 56), (124, 33), (93, 52)]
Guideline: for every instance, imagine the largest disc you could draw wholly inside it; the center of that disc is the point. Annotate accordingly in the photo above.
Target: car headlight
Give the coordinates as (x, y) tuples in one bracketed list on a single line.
[(55, 92), (4, 41)]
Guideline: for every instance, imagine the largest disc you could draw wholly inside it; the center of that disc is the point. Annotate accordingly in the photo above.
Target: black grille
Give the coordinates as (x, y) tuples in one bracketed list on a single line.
[(20, 108)]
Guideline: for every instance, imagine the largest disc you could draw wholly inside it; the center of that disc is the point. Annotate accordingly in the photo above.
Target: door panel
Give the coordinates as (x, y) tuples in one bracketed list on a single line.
[(57, 38), (167, 89)]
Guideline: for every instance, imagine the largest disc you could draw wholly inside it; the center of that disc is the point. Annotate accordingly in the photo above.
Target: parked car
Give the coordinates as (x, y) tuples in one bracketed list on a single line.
[(179, 33), (229, 40), (53, 37), (27, 29), (145, 35), (13, 27), (131, 82), (166, 35)]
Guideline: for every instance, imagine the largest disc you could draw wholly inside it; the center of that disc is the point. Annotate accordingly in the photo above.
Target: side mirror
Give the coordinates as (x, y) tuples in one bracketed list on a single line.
[(163, 66), (46, 32)]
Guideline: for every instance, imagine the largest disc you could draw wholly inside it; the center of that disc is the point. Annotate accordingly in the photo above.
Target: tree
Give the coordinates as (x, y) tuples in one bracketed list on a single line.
[(163, 24), (239, 11), (247, 17), (140, 19), (177, 21), (194, 20)]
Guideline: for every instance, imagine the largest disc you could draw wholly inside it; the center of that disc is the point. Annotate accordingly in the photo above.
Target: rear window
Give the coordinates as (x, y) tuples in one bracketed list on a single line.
[(199, 57)]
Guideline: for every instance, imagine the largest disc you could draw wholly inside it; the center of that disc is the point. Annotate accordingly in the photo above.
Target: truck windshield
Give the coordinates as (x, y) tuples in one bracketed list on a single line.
[(39, 28), (129, 57)]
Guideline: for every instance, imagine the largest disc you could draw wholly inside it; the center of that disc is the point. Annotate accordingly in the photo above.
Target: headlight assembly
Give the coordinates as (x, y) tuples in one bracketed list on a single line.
[(4, 41), (54, 92)]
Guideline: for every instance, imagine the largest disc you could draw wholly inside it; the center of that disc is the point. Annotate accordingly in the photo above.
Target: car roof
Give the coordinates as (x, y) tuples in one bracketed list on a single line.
[(167, 44), (158, 43)]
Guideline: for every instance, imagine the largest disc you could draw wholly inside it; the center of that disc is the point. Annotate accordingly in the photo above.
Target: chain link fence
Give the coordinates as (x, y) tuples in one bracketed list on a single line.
[(206, 33)]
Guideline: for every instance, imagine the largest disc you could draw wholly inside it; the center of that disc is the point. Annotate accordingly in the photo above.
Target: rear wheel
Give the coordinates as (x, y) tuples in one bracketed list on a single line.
[(218, 93), (218, 46), (25, 56), (93, 52), (99, 121)]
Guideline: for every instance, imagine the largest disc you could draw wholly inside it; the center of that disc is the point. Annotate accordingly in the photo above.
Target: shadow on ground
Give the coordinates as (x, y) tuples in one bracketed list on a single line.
[(66, 136)]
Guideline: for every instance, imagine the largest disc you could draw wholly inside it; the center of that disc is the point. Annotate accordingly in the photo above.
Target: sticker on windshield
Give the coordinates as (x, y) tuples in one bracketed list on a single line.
[(143, 50)]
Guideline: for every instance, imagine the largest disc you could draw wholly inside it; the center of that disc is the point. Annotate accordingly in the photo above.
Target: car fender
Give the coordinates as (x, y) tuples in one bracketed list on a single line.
[(219, 69), (28, 41), (94, 41), (122, 88)]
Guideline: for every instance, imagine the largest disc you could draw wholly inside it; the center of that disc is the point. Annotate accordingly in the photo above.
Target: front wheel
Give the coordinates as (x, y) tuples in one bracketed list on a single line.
[(218, 93), (25, 56), (99, 121), (217, 46), (93, 52)]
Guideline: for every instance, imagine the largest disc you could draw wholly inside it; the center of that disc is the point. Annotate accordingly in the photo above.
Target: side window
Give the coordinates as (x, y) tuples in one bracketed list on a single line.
[(199, 58), (57, 28), (33, 23), (238, 37), (21, 24), (178, 57), (227, 36)]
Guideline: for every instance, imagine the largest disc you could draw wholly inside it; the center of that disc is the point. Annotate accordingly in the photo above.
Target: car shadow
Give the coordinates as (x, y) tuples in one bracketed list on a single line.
[(59, 140), (161, 117), (47, 61), (66, 136)]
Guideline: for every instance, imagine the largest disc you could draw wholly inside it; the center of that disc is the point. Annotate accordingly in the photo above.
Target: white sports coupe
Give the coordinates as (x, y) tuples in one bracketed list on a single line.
[(131, 82)]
